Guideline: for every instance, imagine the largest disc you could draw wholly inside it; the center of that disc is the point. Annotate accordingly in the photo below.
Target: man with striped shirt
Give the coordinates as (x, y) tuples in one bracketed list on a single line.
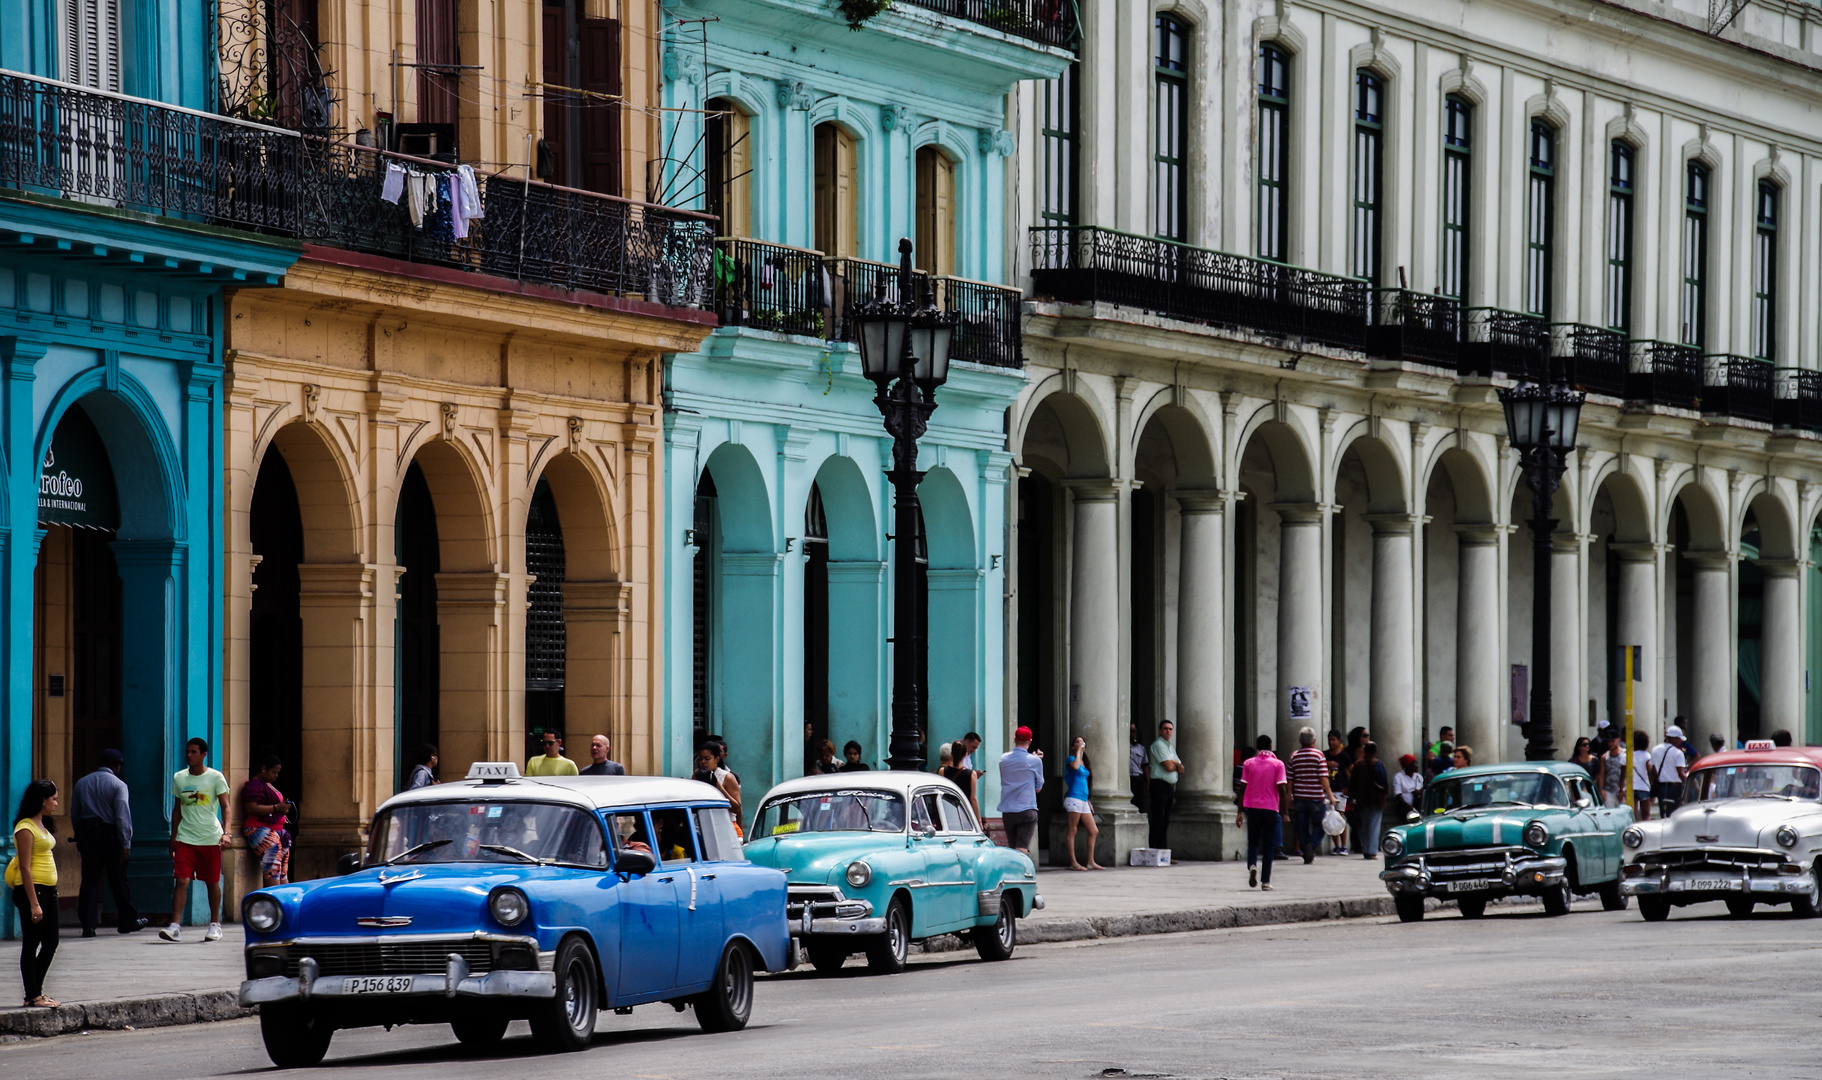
[(1310, 792)]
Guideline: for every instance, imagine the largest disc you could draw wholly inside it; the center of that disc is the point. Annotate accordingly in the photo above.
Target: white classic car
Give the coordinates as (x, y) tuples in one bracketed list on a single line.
[(1749, 832)]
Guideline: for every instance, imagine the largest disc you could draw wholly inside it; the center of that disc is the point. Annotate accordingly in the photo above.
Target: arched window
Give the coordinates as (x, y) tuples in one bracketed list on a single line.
[(1274, 151), (1765, 273), (1457, 172), (1695, 256), (1170, 135), (935, 211), (1540, 224), (1619, 237), (836, 202), (727, 167), (1369, 135)]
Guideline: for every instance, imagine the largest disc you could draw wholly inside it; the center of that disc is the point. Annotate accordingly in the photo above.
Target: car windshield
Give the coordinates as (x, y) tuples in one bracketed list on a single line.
[(1753, 781), (831, 811), (1493, 789), (493, 831)]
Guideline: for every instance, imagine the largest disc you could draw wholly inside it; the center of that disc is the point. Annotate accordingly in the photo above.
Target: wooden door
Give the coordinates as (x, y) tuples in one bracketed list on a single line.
[(598, 60), (439, 100)]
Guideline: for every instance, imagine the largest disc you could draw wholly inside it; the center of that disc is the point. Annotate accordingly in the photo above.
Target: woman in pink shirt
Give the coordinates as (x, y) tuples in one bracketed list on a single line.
[(1264, 795)]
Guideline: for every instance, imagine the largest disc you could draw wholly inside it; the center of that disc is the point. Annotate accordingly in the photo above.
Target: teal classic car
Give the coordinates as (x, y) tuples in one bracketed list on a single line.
[(877, 860), (1531, 828)]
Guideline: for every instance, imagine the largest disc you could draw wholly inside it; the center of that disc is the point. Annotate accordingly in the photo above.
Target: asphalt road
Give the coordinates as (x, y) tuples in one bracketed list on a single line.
[(1513, 995)]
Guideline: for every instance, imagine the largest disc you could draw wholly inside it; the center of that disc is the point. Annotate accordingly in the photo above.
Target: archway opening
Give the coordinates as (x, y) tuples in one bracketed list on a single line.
[(275, 629), (546, 640), (417, 647), (1750, 632), (815, 626)]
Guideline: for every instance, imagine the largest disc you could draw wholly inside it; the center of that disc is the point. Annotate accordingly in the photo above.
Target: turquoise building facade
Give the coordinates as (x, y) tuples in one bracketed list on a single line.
[(111, 498), (820, 146)]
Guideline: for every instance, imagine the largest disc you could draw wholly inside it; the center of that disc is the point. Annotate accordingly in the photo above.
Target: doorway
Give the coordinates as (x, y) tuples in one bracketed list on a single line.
[(418, 645), (581, 91), (275, 646)]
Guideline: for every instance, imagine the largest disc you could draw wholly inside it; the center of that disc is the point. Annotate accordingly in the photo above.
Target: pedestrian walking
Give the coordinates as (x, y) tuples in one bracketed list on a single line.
[(1368, 786), (424, 773), (1669, 766), (32, 877), (725, 778), (709, 771), (852, 752), (1583, 755), (1612, 779), (1264, 796), (1311, 795), (1407, 787), (969, 743), (551, 762), (1641, 776), (103, 817), (1076, 805), (198, 835), (1340, 761), (601, 761), (1165, 768), (1021, 778), (264, 812), (1137, 760)]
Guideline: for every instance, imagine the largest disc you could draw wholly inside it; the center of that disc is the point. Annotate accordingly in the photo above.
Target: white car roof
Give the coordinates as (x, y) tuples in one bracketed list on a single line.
[(588, 792), (895, 780)]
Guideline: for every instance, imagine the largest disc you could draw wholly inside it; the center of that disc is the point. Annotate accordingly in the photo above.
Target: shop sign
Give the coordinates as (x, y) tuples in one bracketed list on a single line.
[(76, 484)]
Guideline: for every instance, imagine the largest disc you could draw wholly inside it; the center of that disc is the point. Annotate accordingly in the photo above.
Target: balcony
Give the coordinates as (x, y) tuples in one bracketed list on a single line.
[(108, 150), (1047, 22), (1415, 326), (1797, 400), (771, 287), (1086, 264), (1738, 387), (1591, 358), (1661, 373), (1507, 343)]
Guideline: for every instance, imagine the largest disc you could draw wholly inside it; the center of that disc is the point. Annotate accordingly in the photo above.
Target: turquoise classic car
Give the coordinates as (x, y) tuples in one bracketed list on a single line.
[(877, 860), (1530, 828)]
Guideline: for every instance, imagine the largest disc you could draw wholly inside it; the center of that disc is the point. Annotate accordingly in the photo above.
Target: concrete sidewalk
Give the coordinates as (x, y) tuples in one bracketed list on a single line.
[(116, 982)]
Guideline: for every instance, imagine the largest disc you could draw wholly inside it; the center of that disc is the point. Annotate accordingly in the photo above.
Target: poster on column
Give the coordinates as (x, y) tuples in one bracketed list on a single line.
[(1299, 700), (1521, 694)]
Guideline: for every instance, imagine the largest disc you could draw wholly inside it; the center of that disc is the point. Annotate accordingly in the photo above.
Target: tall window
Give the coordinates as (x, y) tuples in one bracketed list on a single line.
[(1170, 138), (1540, 226), (1457, 171), (438, 63), (1369, 133), (837, 221), (1695, 256), (1058, 110), (935, 211), (91, 43), (1619, 238), (727, 167), (1274, 156), (1765, 274)]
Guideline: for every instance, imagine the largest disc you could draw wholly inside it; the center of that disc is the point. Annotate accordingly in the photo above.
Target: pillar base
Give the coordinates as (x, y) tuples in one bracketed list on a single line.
[(1202, 827), (1122, 829)]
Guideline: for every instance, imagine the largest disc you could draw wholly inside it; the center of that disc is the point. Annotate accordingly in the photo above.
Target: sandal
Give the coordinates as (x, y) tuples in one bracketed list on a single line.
[(42, 1002)]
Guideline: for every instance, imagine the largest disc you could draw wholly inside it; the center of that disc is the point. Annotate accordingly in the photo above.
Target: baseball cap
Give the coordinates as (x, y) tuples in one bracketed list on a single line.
[(1407, 759), (1673, 732), (1022, 735)]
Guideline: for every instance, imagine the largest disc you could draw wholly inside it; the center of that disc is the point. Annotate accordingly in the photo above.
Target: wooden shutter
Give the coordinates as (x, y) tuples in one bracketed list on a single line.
[(926, 209), (739, 196), (438, 91), (555, 72), (600, 127), (945, 214), (825, 215), (847, 205)]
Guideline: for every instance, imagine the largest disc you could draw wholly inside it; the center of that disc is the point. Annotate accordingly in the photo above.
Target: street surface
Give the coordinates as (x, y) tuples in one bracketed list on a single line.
[(1513, 995)]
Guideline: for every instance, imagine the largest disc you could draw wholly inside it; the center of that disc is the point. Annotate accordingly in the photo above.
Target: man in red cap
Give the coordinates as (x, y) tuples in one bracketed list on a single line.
[(1407, 787), (1021, 778)]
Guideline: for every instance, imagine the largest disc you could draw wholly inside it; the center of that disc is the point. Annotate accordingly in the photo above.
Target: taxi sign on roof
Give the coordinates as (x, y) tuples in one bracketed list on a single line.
[(1759, 744), (493, 770)]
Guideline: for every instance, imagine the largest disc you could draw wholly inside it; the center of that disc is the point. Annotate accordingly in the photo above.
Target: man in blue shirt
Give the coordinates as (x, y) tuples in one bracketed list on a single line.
[(1021, 778)]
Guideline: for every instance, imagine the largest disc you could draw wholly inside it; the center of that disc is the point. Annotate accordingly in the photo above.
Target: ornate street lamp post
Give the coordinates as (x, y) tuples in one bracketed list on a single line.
[(1541, 422), (904, 349)]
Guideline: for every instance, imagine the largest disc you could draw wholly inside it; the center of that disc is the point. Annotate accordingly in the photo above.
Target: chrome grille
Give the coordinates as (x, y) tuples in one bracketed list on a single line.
[(798, 895), (402, 958), (1478, 863), (1720, 858)]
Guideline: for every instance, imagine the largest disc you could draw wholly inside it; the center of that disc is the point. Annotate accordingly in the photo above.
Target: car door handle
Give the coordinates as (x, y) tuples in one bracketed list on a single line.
[(949, 842), (708, 877), (667, 879)]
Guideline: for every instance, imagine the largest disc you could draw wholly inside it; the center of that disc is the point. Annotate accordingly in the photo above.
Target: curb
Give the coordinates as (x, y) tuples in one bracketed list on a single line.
[(124, 1014)]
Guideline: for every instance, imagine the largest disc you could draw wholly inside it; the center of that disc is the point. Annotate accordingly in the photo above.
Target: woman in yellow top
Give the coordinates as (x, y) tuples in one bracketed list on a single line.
[(32, 875)]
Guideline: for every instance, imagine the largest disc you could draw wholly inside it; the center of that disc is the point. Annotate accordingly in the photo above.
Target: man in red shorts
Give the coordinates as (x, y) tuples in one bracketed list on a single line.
[(197, 836)]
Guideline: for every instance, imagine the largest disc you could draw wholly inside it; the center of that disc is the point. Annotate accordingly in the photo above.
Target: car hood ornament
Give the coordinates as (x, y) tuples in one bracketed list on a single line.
[(383, 922)]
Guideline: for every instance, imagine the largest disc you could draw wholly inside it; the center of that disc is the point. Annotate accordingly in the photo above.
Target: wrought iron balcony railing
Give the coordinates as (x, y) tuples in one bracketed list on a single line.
[(1415, 326), (1047, 22), (771, 287), (989, 331), (1737, 386), (1087, 264), (1508, 343), (117, 151), (856, 282), (1591, 358), (1662, 373), (1797, 400)]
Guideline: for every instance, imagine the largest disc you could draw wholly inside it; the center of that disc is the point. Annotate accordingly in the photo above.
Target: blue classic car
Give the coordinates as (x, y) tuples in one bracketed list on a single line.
[(878, 860), (505, 898)]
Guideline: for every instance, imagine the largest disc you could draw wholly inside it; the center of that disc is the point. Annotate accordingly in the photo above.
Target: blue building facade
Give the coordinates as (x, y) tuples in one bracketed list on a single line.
[(819, 146), (111, 500)]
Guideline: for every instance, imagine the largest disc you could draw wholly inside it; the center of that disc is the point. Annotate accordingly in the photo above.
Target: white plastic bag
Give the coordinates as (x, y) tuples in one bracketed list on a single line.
[(1333, 823)]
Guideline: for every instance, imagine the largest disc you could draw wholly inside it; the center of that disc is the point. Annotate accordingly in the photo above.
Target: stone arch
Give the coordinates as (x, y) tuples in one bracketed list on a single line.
[(953, 585), (584, 501), (743, 499), (847, 500), (146, 470), (1778, 538), (844, 597), (739, 570), (1380, 460), (1186, 431), (326, 497), (1467, 476), (1062, 433), (1632, 518), (948, 521), (1293, 466), (458, 490), (1705, 515)]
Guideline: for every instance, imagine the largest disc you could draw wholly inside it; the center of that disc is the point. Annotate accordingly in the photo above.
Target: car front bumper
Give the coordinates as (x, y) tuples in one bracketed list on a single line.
[(829, 913), (1695, 885), (1527, 875), (454, 982)]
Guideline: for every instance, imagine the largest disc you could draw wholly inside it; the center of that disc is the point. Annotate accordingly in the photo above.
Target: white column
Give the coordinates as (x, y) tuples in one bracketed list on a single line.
[(1568, 704), (1203, 740), (1479, 722), (1300, 600), (1780, 655), (1094, 639), (1391, 702), (1638, 626), (1713, 675)]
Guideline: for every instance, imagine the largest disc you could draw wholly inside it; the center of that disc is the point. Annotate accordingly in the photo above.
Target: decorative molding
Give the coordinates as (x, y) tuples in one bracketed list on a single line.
[(313, 398), (894, 118), (1373, 56), (1460, 81), (1276, 28), (575, 435), (449, 410), (682, 65), (793, 94)]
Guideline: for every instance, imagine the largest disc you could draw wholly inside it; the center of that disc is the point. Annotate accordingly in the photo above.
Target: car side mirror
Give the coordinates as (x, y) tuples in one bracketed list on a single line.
[(1412, 817), (348, 864), (634, 862)]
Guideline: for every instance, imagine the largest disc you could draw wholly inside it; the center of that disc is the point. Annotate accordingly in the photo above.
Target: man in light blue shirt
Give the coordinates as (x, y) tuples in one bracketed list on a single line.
[(1021, 778)]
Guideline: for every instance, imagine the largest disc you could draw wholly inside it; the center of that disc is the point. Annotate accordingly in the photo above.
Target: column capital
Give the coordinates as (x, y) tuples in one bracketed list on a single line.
[(1477, 535), (1394, 524), (1098, 489), (1709, 560), (1782, 568), (1300, 513), (1200, 502), (330, 580), (1636, 552)]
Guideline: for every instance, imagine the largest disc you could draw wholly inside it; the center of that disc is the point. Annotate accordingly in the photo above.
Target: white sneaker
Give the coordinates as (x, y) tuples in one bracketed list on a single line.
[(213, 933), (172, 932)]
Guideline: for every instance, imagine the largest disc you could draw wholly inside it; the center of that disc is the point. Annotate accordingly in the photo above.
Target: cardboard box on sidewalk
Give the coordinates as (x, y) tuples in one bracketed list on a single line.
[(1151, 856)]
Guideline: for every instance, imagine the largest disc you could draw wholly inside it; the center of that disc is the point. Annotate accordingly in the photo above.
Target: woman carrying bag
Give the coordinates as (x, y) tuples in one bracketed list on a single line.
[(32, 875)]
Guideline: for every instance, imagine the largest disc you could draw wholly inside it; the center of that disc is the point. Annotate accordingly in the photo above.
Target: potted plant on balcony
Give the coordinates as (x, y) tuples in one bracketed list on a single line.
[(857, 12)]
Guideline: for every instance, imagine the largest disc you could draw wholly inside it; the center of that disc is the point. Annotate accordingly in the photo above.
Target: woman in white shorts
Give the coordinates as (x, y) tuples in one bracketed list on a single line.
[(1076, 805)]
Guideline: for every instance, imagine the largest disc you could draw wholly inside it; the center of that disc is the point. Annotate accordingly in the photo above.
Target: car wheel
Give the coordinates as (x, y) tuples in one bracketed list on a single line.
[(480, 1033), (827, 958), (1654, 908), (567, 1022), (1739, 907), (1807, 905), (887, 953), (1472, 907), (1612, 899), (296, 1036), (728, 1004), (1556, 900), (996, 942), (1410, 908)]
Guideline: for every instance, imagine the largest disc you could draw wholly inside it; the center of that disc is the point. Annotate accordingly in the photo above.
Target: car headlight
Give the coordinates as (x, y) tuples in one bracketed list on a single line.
[(508, 906), (1392, 845), (1633, 837), (859, 874), (1787, 836), (1536, 835), (263, 914)]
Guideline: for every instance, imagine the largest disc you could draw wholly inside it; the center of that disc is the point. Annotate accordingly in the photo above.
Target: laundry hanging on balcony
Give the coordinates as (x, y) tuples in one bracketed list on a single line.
[(421, 197), (394, 184)]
